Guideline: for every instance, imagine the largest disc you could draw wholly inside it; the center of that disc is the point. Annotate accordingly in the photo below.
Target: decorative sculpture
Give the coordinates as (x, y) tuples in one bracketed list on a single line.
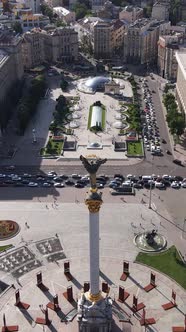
[(92, 168)]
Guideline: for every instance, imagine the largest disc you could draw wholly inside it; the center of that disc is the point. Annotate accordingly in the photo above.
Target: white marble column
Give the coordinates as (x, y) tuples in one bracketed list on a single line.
[(94, 252)]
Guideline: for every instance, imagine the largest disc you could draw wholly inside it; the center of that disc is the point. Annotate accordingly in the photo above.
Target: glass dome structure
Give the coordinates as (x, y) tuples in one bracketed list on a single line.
[(92, 84)]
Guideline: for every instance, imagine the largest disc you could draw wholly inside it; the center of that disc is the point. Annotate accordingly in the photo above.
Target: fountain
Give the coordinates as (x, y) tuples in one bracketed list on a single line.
[(150, 241)]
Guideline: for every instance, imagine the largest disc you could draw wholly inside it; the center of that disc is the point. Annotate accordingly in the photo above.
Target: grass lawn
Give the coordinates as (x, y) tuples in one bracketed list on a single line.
[(89, 117), (55, 149), (168, 262), (2, 248), (103, 117), (134, 148)]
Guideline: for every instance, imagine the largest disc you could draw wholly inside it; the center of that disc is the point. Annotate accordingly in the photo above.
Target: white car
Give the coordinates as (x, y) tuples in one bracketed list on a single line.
[(159, 185), (32, 184), (175, 185), (165, 177), (130, 176), (59, 185)]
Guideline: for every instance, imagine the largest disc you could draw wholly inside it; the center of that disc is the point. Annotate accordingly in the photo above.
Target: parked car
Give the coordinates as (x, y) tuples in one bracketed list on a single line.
[(175, 185), (69, 183)]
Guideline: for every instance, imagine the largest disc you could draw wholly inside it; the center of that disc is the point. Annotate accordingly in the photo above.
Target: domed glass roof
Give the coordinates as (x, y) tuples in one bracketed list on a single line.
[(94, 82), (94, 144)]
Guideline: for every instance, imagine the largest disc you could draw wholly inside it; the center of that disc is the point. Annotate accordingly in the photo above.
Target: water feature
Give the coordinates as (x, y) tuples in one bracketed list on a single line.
[(150, 241)]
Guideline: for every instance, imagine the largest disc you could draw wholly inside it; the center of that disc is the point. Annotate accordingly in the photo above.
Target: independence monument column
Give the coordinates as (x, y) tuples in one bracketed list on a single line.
[(94, 307)]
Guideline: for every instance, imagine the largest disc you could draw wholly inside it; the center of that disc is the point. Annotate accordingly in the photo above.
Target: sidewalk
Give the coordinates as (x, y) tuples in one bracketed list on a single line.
[(178, 151)]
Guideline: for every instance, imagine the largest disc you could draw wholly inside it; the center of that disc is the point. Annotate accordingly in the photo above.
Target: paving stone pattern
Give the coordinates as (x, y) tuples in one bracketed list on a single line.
[(51, 248)]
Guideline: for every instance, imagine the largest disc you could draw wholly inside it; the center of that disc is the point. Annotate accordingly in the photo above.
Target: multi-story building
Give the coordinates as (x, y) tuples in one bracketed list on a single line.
[(130, 14), (27, 21), (160, 10), (66, 15), (33, 4), (54, 45), (11, 67), (168, 45), (140, 41), (181, 82), (11, 43), (108, 38), (32, 49)]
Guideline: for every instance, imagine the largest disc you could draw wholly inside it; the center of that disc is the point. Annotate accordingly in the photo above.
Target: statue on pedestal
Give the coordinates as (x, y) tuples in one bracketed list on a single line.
[(92, 168)]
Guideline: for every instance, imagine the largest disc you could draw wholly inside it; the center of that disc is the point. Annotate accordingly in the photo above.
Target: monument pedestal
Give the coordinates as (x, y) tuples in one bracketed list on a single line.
[(95, 316)]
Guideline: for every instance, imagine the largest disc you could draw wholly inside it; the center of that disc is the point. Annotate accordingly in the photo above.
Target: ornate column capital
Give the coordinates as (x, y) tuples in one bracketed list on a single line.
[(93, 205)]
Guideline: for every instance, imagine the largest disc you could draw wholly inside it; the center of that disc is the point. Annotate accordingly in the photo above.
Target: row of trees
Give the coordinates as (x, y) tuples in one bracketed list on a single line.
[(134, 110), (174, 119), (28, 104), (61, 112)]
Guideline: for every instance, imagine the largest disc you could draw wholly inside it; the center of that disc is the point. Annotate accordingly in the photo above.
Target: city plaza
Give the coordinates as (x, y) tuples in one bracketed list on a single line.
[(89, 142), (54, 233)]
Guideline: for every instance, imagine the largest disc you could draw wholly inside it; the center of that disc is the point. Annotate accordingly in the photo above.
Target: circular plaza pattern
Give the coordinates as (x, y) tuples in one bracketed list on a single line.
[(8, 229)]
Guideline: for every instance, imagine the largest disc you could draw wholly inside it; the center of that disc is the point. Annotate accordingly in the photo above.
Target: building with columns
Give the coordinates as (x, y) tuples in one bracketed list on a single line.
[(54, 45), (108, 38), (181, 82), (141, 41)]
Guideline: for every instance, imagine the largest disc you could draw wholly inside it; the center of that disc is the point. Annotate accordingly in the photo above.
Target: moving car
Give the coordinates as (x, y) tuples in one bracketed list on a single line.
[(32, 184), (177, 162)]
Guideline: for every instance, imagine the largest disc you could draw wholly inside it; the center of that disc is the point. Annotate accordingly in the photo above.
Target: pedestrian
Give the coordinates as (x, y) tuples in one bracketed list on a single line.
[(46, 206)]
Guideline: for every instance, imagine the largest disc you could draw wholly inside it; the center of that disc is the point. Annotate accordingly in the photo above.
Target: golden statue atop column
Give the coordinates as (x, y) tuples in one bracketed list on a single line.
[(94, 307)]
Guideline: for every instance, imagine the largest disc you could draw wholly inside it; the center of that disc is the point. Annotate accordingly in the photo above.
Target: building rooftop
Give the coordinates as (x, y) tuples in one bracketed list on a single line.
[(61, 10)]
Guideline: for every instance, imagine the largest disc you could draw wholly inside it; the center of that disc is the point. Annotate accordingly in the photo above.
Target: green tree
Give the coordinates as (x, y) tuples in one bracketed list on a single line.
[(17, 27), (80, 9), (47, 11), (49, 146), (63, 85), (175, 11)]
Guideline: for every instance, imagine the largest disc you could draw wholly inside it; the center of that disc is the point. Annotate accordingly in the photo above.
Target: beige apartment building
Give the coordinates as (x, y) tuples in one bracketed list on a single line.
[(32, 49), (54, 45), (181, 82), (108, 39), (140, 41), (168, 45), (130, 14)]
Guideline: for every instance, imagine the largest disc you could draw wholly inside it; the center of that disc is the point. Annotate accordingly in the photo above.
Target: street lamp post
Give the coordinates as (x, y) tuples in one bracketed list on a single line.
[(150, 194)]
